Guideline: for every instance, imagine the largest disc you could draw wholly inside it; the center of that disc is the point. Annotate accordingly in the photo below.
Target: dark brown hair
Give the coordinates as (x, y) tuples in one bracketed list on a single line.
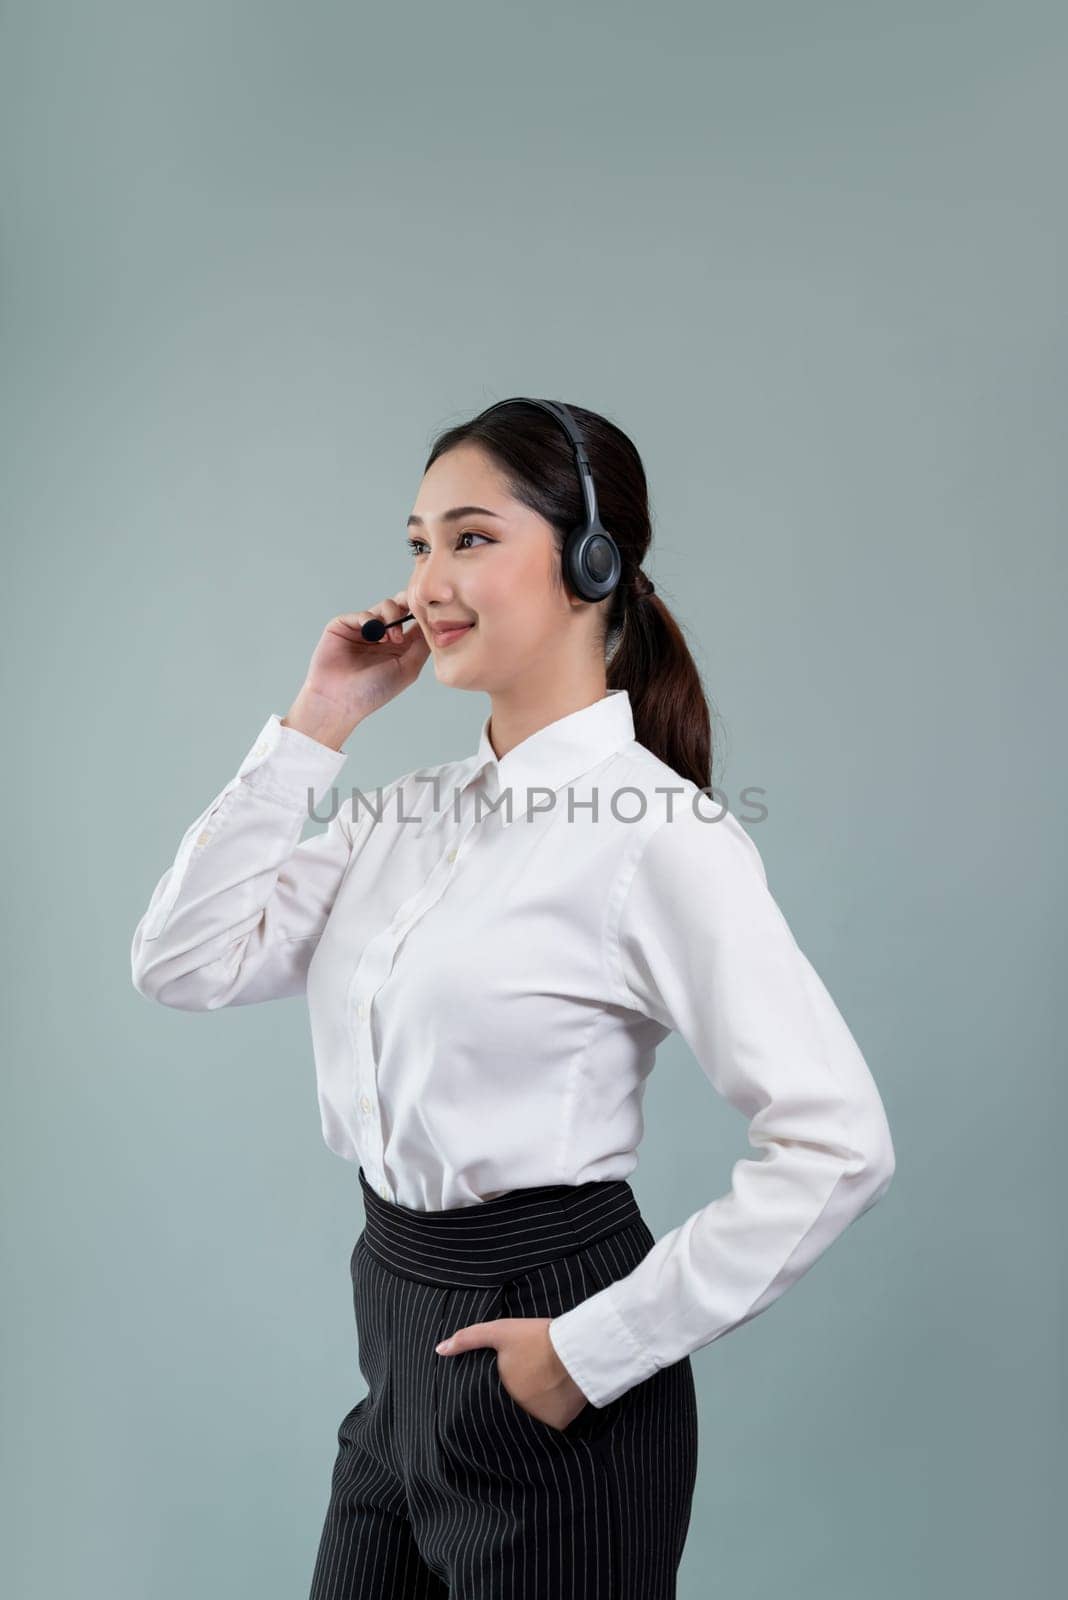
[(645, 650)]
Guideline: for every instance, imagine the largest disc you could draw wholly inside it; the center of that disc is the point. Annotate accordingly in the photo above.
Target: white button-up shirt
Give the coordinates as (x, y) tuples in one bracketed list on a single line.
[(491, 952)]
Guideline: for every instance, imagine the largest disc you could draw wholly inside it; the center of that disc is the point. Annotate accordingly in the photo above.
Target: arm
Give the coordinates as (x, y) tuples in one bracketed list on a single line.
[(235, 919), (701, 946)]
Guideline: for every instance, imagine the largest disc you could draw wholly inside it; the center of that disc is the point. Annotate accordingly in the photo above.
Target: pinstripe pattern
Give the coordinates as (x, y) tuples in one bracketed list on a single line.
[(443, 1484)]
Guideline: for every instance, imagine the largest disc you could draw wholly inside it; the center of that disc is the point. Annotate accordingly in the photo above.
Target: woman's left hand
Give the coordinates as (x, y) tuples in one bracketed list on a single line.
[(528, 1366)]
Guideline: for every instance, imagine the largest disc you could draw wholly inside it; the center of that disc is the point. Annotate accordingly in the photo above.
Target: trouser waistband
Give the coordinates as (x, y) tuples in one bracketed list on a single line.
[(485, 1244)]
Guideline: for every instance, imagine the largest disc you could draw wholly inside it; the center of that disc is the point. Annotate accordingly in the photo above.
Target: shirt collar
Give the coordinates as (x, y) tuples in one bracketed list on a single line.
[(553, 756)]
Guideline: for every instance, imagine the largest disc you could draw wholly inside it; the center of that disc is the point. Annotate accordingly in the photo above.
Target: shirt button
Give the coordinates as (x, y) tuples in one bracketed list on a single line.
[(259, 749), (453, 854), (384, 1191), (202, 838), (365, 1104), (361, 1010)]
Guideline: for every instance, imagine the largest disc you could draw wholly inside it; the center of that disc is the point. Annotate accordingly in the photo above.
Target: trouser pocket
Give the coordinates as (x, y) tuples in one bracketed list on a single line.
[(479, 1422)]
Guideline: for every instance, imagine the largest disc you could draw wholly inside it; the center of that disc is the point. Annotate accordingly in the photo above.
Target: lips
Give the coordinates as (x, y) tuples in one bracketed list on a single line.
[(446, 635)]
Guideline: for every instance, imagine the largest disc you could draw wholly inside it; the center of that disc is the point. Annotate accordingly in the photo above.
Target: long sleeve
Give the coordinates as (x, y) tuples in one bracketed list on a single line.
[(236, 917), (700, 945)]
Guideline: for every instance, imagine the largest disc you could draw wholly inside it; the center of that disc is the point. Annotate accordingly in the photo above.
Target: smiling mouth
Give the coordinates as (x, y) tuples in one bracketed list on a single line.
[(446, 635)]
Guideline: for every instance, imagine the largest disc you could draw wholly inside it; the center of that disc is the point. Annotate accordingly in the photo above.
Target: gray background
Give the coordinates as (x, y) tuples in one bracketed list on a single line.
[(812, 259)]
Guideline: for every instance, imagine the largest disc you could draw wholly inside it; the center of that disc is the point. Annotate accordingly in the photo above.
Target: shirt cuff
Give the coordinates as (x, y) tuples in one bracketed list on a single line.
[(284, 764), (599, 1350)]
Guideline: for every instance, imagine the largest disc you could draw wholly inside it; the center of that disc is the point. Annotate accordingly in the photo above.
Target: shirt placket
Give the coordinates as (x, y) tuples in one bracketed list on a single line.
[(372, 970)]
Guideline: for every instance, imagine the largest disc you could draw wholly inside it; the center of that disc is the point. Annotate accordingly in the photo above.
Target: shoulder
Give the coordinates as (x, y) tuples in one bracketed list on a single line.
[(688, 834)]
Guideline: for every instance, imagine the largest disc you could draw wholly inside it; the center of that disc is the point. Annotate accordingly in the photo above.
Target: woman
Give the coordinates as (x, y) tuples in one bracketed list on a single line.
[(491, 950)]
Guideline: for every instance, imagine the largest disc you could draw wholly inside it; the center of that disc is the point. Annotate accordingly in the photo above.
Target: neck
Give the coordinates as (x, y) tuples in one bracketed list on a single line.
[(519, 711)]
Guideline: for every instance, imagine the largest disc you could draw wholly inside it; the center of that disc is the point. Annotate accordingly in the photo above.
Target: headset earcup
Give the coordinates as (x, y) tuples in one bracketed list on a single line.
[(592, 562)]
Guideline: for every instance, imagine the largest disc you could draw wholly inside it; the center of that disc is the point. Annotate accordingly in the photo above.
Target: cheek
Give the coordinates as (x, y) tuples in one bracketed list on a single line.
[(496, 599), (521, 589), (516, 600)]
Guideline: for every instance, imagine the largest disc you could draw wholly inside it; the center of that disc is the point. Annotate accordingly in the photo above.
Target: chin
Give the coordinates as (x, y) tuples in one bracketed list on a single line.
[(453, 672)]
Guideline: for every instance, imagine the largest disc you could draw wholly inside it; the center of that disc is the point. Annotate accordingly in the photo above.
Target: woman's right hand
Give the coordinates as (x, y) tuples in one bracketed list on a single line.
[(349, 676)]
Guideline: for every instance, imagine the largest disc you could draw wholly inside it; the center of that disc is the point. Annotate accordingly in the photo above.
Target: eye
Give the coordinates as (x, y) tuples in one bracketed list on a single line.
[(469, 533)]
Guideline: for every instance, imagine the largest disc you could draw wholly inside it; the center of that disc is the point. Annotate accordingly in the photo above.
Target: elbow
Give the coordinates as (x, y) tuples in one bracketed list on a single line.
[(148, 976), (177, 995), (145, 972), (141, 973), (179, 991), (875, 1167), (883, 1172), (141, 984), (151, 985), (179, 979)]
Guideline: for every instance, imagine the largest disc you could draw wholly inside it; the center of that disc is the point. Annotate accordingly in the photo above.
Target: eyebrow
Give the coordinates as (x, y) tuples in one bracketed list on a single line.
[(454, 515)]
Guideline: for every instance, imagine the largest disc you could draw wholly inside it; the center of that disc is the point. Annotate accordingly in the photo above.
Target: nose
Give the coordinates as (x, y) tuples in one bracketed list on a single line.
[(432, 582)]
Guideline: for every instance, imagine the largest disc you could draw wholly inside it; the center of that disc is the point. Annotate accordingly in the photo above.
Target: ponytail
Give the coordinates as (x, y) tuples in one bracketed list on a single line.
[(652, 661)]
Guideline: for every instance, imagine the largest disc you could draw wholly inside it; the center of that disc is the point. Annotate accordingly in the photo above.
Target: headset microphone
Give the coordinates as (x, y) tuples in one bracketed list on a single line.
[(374, 628)]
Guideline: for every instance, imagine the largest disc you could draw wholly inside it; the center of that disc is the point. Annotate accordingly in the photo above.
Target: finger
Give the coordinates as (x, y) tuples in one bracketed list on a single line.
[(352, 622), (391, 611), (475, 1337), (356, 619)]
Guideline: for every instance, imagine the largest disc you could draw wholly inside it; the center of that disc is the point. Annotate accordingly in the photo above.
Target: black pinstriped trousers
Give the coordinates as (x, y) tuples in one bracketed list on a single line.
[(443, 1484)]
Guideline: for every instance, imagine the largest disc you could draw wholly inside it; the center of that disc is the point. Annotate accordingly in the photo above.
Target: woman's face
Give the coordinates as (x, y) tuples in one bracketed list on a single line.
[(496, 568)]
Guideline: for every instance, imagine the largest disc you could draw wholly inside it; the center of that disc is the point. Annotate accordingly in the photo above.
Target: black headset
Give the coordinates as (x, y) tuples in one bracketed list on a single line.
[(591, 559)]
